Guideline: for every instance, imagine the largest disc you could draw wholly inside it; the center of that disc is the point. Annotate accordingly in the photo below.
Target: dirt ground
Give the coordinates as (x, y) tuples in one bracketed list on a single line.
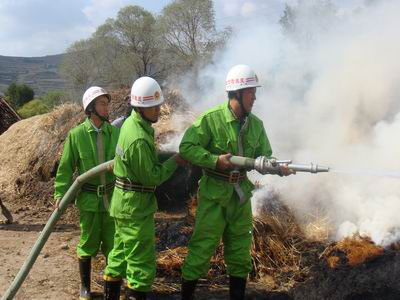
[(55, 274)]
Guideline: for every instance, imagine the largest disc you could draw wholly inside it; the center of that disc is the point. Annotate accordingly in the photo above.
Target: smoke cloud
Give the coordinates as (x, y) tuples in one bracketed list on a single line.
[(330, 95)]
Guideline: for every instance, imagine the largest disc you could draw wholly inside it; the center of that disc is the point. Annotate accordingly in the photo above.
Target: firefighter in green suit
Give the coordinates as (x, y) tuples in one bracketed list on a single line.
[(87, 145), (138, 172), (224, 207)]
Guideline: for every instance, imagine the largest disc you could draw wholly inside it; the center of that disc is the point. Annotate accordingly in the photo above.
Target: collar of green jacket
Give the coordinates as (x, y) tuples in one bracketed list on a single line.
[(145, 124), (228, 113), (105, 126)]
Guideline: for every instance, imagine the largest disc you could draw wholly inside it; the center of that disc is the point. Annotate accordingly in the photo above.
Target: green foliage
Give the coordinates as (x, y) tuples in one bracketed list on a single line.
[(33, 108), (137, 43), (132, 46), (19, 94), (188, 28), (81, 64), (53, 98)]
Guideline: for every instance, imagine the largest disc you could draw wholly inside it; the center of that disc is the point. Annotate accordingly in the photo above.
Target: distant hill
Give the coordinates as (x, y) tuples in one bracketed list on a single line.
[(40, 73)]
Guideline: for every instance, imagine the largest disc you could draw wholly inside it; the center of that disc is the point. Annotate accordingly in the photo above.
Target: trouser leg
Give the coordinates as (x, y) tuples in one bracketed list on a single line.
[(209, 227), (90, 234), (138, 236), (116, 262), (237, 239), (107, 234)]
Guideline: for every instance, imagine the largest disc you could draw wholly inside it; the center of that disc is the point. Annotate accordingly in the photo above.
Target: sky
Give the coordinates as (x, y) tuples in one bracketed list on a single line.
[(47, 27)]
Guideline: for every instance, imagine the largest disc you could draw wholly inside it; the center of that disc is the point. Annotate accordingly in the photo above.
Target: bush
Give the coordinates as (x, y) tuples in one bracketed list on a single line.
[(53, 98), (19, 94), (33, 108)]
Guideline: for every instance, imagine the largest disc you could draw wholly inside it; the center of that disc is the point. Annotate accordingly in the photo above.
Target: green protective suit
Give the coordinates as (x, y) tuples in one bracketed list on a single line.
[(80, 152), (136, 160), (219, 213)]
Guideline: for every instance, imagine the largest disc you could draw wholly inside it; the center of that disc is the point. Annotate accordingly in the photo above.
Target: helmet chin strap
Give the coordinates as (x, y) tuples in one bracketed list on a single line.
[(104, 119), (240, 99)]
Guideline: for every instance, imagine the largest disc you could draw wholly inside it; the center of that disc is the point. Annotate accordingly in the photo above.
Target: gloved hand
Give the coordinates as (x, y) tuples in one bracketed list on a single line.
[(224, 163), (285, 171)]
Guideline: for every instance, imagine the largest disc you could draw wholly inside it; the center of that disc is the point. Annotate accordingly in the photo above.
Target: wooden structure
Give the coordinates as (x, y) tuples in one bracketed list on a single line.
[(8, 115)]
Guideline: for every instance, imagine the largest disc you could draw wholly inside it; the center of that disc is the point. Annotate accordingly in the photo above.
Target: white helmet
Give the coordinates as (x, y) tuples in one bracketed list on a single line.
[(241, 77), (146, 92), (91, 94)]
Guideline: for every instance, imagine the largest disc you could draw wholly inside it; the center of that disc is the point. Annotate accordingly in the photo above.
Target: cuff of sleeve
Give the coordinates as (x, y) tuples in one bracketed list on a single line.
[(213, 161)]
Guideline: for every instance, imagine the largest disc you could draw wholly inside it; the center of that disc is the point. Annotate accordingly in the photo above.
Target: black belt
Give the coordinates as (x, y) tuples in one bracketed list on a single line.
[(128, 186), (232, 177), (100, 189)]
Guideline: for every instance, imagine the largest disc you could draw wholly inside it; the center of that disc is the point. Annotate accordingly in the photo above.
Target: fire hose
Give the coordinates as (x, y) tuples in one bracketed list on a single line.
[(44, 235), (261, 164)]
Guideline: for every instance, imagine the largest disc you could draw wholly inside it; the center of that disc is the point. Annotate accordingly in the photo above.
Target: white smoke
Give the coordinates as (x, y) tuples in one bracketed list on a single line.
[(330, 95)]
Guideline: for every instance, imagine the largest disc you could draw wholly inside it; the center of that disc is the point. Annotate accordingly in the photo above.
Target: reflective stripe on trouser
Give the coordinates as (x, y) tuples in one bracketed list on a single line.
[(233, 224), (97, 232), (138, 243)]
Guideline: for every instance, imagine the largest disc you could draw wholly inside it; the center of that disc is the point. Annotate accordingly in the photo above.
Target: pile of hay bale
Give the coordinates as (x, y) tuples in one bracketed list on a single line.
[(30, 150)]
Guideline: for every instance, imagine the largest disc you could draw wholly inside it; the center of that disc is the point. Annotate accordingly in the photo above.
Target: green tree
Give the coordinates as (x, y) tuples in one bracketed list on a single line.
[(33, 108), (53, 98), (133, 41), (136, 43), (19, 94), (189, 32), (82, 65)]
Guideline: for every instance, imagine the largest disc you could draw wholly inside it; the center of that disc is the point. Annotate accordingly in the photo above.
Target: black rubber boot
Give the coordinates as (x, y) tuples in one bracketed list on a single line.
[(85, 264), (187, 289), (237, 288), (134, 295), (112, 290)]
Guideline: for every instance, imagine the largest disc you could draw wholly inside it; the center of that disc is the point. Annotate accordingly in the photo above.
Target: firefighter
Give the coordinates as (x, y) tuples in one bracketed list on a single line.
[(138, 171), (224, 208), (87, 145)]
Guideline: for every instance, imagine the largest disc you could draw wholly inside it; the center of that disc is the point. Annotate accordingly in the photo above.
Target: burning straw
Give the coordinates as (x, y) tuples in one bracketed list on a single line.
[(352, 251)]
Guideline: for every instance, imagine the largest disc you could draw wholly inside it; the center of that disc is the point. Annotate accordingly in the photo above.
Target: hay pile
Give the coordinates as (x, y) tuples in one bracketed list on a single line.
[(120, 103), (30, 151)]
